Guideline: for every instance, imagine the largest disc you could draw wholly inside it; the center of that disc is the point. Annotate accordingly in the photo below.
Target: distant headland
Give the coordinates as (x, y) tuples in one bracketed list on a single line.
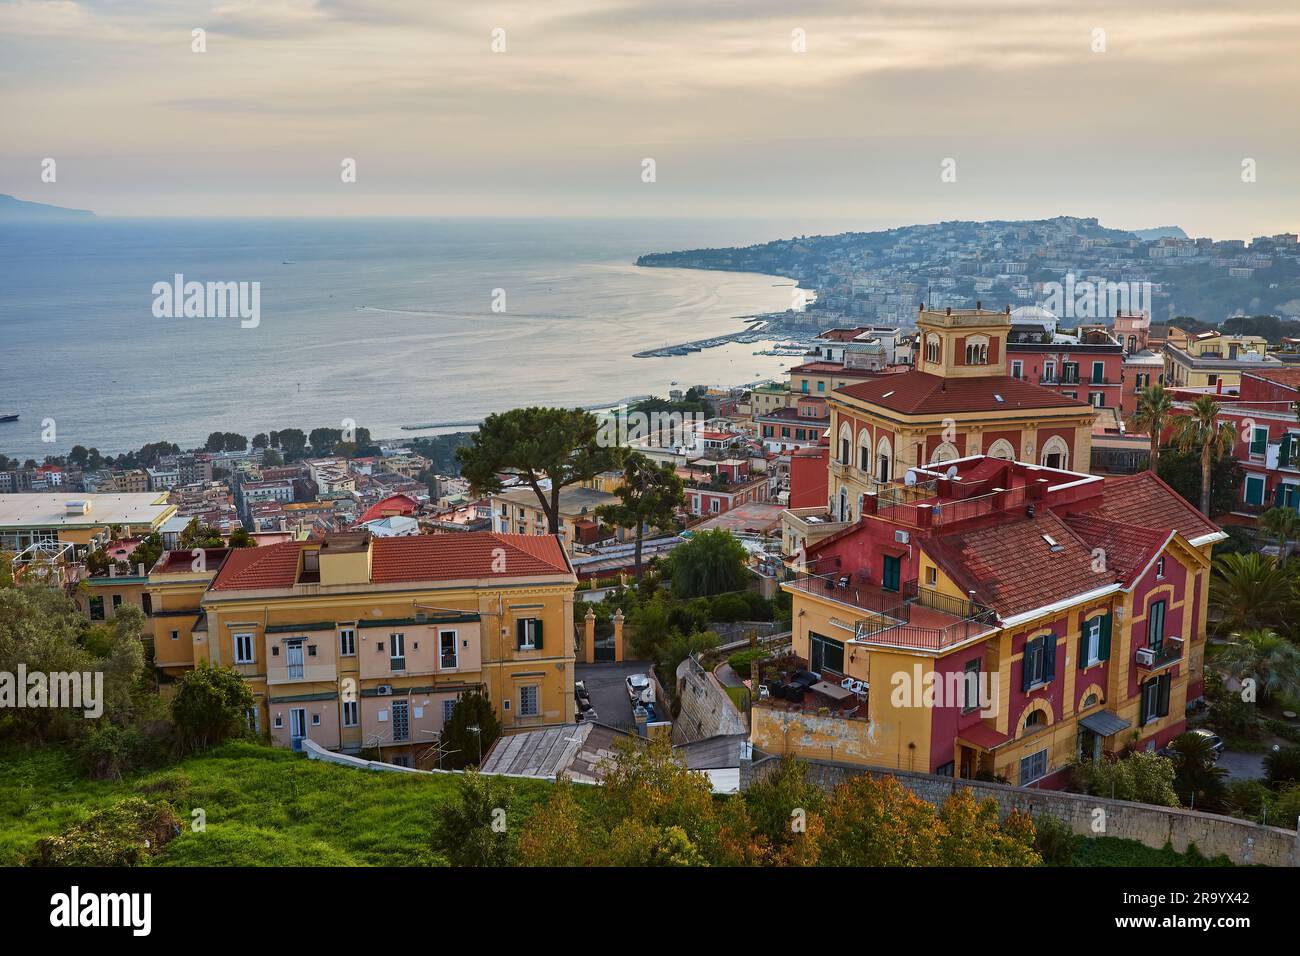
[(16, 210)]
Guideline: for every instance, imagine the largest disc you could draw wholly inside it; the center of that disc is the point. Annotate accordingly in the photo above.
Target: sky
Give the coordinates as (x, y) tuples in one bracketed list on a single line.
[(1141, 114)]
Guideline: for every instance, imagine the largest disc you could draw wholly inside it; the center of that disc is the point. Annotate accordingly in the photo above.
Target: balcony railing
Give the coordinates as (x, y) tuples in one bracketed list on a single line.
[(1170, 651)]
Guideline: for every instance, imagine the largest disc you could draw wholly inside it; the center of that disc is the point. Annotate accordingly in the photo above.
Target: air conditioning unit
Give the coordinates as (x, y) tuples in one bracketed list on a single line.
[(384, 690), (902, 537), (1146, 656)]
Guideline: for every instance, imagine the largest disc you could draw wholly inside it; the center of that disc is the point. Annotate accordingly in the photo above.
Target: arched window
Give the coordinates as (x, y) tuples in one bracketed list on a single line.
[(977, 351), (1035, 720), (1002, 449), (884, 460), (933, 349), (1056, 453)]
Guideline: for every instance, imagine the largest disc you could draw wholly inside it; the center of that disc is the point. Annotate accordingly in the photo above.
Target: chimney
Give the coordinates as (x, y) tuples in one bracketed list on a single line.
[(949, 310)]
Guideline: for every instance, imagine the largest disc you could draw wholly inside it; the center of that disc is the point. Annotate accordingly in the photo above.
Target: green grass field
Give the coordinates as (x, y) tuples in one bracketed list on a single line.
[(263, 807), (267, 807)]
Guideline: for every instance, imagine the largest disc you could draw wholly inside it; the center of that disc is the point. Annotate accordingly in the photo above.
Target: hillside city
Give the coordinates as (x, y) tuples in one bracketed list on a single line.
[(1049, 559)]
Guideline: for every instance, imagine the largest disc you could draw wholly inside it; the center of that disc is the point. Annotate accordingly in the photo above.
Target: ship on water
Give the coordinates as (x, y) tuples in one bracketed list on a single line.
[(8, 418)]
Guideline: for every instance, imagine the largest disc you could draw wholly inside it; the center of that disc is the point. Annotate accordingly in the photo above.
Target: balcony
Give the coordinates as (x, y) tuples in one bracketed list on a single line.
[(912, 617), (305, 673), (1169, 652)]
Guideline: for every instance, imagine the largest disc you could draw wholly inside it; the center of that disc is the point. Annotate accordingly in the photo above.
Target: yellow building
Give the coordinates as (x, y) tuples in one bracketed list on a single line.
[(1213, 359), (958, 402), (365, 643), (517, 511), (1002, 623)]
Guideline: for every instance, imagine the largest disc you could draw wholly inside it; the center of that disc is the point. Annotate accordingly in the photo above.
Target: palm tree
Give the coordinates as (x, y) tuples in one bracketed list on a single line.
[(1200, 430), (1249, 590), (1264, 656), (1153, 408), (1198, 782), (1283, 523)]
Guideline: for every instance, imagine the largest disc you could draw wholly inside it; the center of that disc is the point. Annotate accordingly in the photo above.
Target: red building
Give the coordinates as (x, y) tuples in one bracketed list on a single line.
[(1268, 436)]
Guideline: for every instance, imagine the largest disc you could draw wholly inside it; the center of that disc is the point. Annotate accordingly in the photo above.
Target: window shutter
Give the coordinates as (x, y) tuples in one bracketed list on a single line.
[(1024, 666), (519, 633), (1142, 704), (1049, 653), (1162, 696), (1104, 652), (537, 633), (1083, 646)]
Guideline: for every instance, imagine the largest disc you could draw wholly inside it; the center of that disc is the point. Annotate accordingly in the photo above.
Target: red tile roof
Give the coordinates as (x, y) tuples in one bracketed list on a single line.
[(1126, 549), (1012, 568), (392, 505), (1143, 499), (433, 557), (919, 393)]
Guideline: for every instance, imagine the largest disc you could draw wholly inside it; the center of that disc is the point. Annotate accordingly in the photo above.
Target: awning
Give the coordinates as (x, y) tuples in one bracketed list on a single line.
[(1104, 724)]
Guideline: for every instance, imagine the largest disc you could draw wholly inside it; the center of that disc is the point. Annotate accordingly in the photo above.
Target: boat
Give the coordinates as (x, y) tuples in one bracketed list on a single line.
[(8, 418)]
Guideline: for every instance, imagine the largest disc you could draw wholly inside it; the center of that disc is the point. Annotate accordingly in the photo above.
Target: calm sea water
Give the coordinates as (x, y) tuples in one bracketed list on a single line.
[(385, 322)]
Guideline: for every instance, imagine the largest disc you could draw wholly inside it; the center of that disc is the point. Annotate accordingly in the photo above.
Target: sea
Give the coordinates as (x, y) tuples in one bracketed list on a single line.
[(385, 323)]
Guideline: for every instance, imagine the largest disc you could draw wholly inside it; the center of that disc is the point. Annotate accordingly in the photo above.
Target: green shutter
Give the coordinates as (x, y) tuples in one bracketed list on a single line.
[(537, 633), (1024, 666), (1284, 450), (1142, 703), (1258, 440), (519, 633), (1162, 695), (1104, 653), (1083, 646), (1049, 665)]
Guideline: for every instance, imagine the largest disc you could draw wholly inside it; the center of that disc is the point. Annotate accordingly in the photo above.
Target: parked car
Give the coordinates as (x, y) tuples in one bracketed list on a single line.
[(637, 684)]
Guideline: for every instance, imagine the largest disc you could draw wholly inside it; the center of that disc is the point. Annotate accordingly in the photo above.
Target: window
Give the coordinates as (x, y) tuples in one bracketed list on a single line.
[(117, 601), (97, 608), (1049, 371), (278, 722), (401, 720), (1160, 566), (347, 642), (1154, 700), (252, 718), (864, 459), (146, 604), (401, 760), (528, 702), (931, 576), (1098, 373), (1033, 767), (1258, 440), (447, 643), (971, 686), (825, 653), (243, 648), (1156, 625), (1017, 369), (350, 713), (844, 451), (448, 708), (397, 656), (933, 350), (176, 635), (1094, 645), (315, 720), (1035, 720), (293, 659), (1039, 663), (528, 633)]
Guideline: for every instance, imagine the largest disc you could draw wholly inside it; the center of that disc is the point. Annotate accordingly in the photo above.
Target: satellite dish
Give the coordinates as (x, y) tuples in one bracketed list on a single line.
[(909, 479), (951, 472)]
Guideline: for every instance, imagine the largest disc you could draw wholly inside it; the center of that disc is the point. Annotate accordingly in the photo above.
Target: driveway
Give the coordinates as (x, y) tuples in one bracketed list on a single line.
[(1242, 766), (608, 688)]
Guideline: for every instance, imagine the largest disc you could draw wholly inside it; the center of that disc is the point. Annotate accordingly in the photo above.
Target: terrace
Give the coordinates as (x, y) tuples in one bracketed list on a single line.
[(911, 617)]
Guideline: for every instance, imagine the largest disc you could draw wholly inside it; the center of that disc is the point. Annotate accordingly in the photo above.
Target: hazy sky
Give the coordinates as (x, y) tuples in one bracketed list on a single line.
[(1152, 131)]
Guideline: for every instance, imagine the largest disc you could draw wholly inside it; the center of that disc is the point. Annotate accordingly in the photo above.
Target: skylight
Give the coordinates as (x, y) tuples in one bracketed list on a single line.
[(998, 397)]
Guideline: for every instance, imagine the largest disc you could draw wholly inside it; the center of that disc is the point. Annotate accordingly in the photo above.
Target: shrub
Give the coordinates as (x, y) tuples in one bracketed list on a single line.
[(729, 607), (126, 834), (211, 706), (1140, 777), (1054, 841), (1250, 798), (1286, 810), (1283, 766), (474, 830)]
